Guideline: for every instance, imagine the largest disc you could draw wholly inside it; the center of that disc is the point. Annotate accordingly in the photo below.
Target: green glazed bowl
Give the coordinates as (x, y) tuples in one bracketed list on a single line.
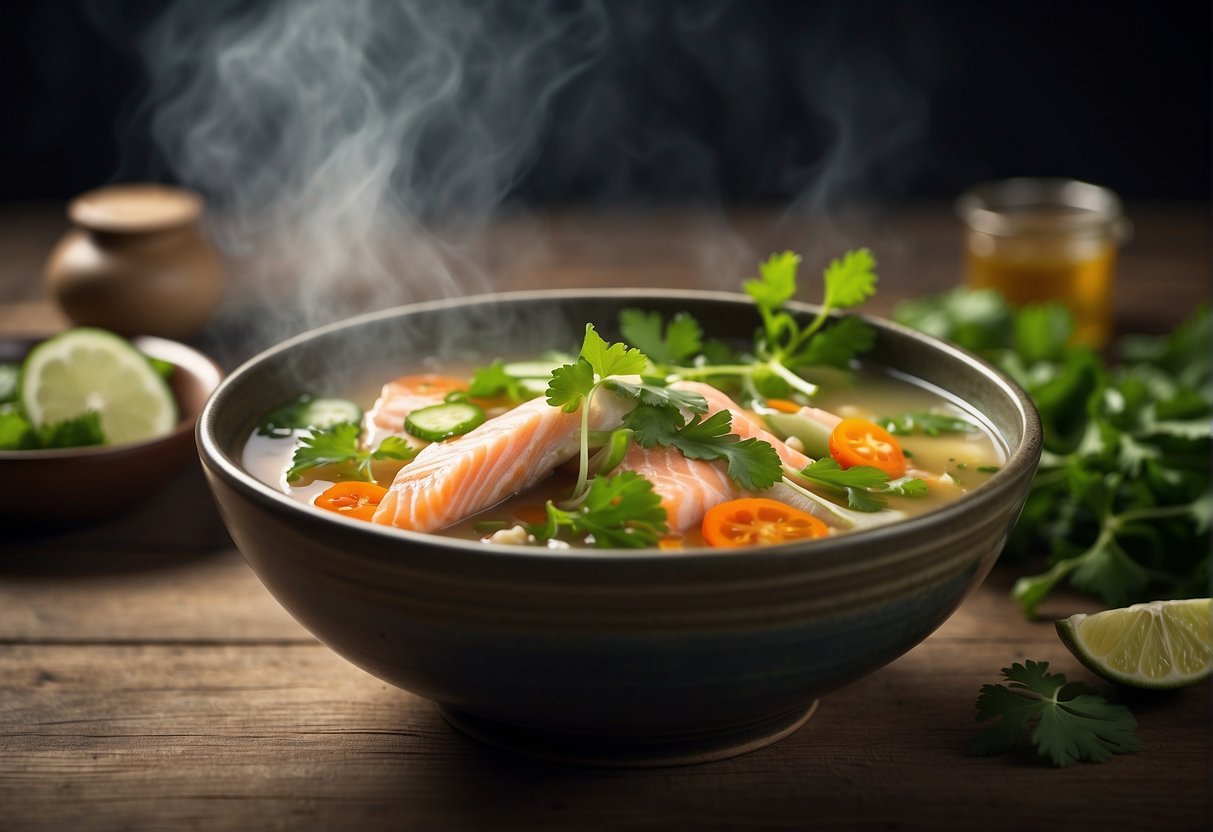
[(606, 657)]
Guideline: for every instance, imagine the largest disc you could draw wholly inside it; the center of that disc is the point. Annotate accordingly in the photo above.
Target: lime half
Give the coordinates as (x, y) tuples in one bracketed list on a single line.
[(88, 369), (1162, 644)]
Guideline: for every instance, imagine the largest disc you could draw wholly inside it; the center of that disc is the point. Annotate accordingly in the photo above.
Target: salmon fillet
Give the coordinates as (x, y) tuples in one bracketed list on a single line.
[(399, 398), (689, 487), (449, 481)]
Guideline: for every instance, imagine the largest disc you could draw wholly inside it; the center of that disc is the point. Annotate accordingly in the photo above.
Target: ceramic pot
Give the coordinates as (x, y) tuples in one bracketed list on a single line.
[(136, 262)]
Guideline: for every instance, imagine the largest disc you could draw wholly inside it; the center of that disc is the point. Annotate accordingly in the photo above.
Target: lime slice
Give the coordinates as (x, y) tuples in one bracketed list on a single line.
[(1162, 644), (87, 369)]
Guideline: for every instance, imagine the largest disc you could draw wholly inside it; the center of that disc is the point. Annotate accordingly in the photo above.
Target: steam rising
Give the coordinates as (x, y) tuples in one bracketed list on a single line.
[(353, 151), (328, 136)]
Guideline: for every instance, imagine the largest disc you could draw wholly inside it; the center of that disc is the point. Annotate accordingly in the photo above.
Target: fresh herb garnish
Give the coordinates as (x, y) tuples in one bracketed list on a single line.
[(677, 341), (861, 484), (752, 463), (1066, 722), (620, 511), (782, 345), (17, 434), (80, 431), (928, 422), (1122, 498), (339, 445), (493, 380)]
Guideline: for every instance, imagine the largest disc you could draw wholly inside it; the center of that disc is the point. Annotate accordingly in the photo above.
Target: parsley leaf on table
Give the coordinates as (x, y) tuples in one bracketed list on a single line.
[(1066, 722)]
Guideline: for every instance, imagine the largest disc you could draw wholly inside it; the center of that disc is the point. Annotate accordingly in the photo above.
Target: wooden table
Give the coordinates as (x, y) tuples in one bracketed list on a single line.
[(147, 680)]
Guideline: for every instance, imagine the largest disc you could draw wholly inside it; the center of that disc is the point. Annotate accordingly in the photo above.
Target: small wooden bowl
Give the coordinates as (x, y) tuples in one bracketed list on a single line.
[(71, 486)]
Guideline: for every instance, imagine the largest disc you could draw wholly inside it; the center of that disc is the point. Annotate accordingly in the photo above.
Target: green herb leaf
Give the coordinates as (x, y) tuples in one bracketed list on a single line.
[(751, 463), (850, 280), (81, 431), (776, 283), (836, 346), (16, 433), (658, 395), (493, 380), (1066, 722), (570, 384), (927, 422), (339, 445), (615, 359), (680, 340), (620, 512)]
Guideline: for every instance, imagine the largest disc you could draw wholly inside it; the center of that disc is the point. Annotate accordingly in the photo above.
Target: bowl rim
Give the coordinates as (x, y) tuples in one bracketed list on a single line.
[(1021, 461), (201, 367)]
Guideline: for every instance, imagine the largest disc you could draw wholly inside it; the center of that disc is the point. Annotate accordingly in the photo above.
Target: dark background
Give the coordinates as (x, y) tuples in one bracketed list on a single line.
[(1112, 92)]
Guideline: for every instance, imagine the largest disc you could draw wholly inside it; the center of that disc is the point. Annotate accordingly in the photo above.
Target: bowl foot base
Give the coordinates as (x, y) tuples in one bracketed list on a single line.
[(629, 751)]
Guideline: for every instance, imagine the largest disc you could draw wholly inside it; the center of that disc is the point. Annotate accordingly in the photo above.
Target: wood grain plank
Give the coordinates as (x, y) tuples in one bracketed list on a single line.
[(238, 737)]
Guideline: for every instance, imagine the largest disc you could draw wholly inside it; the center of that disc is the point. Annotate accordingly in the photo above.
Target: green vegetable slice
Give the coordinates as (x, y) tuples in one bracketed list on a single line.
[(308, 413), (442, 421)]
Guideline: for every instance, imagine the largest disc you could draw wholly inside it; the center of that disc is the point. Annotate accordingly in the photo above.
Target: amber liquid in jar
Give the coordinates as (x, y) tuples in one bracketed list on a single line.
[(1078, 274), (1042, 240)]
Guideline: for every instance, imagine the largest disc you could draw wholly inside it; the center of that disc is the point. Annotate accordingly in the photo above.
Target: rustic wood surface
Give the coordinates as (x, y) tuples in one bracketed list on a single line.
[(147, 680)]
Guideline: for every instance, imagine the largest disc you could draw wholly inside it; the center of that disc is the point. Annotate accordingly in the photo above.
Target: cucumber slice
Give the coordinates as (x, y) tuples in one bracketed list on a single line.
[(306, 413), (814, 435), (530, 369), (442, 421)]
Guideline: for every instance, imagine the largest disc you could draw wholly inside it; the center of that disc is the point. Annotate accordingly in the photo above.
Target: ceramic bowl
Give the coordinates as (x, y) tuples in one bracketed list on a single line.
[(70, 486), (606, 657)]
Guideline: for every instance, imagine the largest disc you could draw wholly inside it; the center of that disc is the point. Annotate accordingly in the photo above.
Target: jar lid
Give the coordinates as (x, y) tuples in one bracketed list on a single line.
[(1042, 207), (135, 208)]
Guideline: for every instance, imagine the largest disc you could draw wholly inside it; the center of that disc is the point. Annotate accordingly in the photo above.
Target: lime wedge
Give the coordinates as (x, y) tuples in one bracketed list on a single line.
[(88, 369), (1162, 644)]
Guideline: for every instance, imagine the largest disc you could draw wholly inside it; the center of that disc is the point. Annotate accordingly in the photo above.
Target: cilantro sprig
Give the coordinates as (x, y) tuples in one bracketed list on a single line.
[(339, 445), (1122, 499), (620, 511), (783, 345), (1065, 721)]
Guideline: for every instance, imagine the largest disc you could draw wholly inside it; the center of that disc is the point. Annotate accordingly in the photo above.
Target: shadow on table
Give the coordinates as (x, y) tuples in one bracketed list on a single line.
[(176, 524)]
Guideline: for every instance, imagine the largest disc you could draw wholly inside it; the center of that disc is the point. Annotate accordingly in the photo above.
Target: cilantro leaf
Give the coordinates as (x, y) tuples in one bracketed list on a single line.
[(928, 422), (493, 380), (658, 395), (828, 472), (751, 463), (570, 384), (16, 433), (339, 445), (776, 283), (615, 359), (836, 346), (83, 430), (680, 340), (621, 511), (850, 280), (1066, 722)]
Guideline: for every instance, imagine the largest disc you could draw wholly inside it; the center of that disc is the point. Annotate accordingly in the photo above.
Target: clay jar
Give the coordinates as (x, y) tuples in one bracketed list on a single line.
[(136, 263)]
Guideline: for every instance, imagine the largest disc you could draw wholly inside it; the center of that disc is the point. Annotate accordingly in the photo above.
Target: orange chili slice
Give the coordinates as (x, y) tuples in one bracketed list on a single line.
[(351, 499), (860, 442), (758, 521)]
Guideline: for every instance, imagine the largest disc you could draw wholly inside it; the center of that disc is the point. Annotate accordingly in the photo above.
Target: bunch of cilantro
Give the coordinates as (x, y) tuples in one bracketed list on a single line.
[(1121, 501)]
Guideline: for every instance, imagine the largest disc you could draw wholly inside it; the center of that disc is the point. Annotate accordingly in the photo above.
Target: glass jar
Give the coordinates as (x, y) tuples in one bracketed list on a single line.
[(1037, 240)]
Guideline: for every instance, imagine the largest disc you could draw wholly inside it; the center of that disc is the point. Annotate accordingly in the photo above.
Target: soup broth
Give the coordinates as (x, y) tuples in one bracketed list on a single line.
[(950, 464)]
